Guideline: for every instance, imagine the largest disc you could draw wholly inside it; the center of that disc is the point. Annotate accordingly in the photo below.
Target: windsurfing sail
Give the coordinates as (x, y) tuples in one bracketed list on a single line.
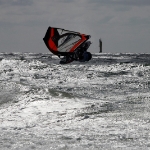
[(60, 41)]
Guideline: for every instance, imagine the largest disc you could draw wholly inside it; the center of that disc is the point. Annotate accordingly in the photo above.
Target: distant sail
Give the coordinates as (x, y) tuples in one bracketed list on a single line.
[(60, 41)]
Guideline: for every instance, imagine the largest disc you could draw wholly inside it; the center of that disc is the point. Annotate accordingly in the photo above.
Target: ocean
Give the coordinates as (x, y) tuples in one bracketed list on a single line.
[(103, 104)]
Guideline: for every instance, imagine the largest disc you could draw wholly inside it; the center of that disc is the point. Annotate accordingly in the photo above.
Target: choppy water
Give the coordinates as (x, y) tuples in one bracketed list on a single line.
[(101, 104)]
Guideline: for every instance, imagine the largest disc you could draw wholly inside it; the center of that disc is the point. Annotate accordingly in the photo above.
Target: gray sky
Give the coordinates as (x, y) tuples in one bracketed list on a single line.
[(123, 25)]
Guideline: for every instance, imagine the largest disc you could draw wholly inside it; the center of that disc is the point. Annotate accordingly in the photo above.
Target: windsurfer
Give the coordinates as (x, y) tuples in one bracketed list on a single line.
[(80, 54)]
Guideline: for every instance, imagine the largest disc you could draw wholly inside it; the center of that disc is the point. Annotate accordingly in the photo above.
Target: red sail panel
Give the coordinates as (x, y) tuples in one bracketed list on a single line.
[(51, 43)]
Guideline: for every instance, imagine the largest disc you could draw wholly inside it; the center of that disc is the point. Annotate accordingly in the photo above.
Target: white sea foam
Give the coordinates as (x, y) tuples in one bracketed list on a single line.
[(101, 103)]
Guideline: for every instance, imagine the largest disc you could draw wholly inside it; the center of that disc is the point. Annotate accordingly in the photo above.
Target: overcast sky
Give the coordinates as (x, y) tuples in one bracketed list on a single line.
[(123, 25)]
